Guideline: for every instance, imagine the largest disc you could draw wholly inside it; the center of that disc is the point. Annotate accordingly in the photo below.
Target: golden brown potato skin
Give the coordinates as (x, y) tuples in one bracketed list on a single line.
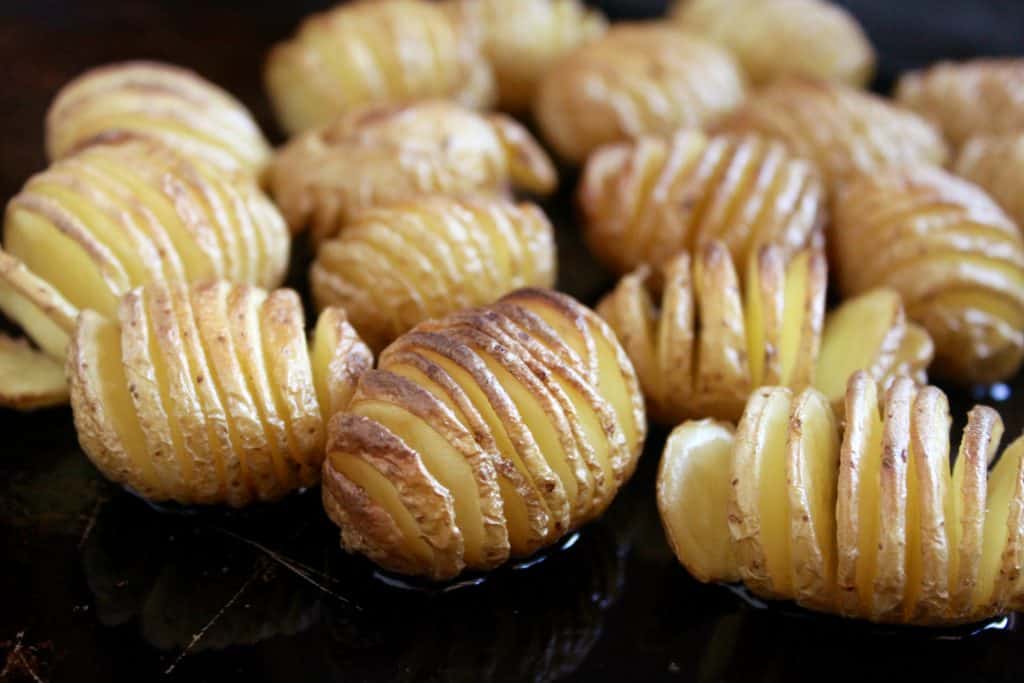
[(638, 79), (976, 97), (954, 256), (645, 201), (174, 105), (395, 266), (383, 154), (774, 39), (884, 532), (483, 436), (522, 39), (843, 130), (384, 51), (207, 394), (130, 211), (995, 163)]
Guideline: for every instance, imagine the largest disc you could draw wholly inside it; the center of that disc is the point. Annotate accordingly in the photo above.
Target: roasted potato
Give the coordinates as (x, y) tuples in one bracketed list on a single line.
[(384, 154), (705, 346), (29, 378), (523, 38), (171, 104), (644, 201), (953, 255), (395, 266), (388, 51), (208, 394), (976, 97), (872, 526), (638, 79), (483, 436), (774, 39), (843, 130), (996, 164), (131, 211)]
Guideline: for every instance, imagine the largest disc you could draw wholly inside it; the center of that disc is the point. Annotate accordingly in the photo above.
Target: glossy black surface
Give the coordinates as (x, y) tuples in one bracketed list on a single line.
[(95, 585)]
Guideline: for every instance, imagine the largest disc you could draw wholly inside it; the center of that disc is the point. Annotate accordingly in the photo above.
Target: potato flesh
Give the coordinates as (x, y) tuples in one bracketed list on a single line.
[(521, 396), (29, 379), (181, 402), (877, 527)]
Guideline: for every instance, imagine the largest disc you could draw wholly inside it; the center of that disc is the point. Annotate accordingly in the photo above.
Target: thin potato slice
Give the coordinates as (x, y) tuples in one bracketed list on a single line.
[(693, 498), (1001, 545), (29, 378), (31, 302)]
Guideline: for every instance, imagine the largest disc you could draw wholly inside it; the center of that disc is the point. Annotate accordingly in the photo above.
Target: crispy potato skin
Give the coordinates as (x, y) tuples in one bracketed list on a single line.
[(976, 97), (843, 130), (382, 154), (206, 394), (953, 255), (151, 99), (638, 79), (367, 52), (130, 211), (774, 39), (646, 200), (692, 347), (522, 39), (995, 163), (393, 267), (887, 532), (483, 436)]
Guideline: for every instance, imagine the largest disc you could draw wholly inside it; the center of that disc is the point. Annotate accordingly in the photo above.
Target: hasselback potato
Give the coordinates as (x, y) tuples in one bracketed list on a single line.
[(953, 255), (872, 525), (395, 266), (638, 79), (381, 154), (208, 394), (843, 130), (643, 202), (383, 51), (523, 38), (976, 97), (773, 39), (996, 164), (484, 435), (171, 104)]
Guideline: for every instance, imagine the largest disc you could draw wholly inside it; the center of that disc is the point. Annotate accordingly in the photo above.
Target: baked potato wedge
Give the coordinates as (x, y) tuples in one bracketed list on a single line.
[(484, 435)]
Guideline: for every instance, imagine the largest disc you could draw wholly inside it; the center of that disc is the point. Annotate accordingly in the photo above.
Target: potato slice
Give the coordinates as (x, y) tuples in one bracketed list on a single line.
[(812, 464), (693, 498), (29, 378), (1001, 555), (759, 517), (31, 302), (803, 317), (764, 306), (864, 333), (339, 357), (857, 498), (675, 366)]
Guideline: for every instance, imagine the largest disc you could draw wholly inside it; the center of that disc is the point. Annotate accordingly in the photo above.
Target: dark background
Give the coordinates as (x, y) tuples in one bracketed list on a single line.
[(97, 586)]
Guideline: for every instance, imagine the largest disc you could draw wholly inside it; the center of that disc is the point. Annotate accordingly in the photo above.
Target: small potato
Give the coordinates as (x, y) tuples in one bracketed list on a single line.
[(638, 79), (955, 258), (871, 332), (773, 39), (843, 130), (976, 97), (645, 201), (384, 154), (130, 211), (707, 343), (995, 163), (871, 526), (522, 39), (485, 435), (375, 52), (395, 266), (208, 394), (29, 378), (174, 105)]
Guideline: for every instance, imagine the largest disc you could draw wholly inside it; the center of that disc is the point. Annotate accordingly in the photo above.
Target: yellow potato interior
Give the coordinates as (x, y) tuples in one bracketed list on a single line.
[(1003, 486), (28, 378), (773, 498), (693, 498), (868, 505), (754, 318), (794, 316)]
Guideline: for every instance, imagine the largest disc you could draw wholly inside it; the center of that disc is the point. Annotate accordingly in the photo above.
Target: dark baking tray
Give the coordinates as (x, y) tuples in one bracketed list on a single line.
[(95, 585)]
